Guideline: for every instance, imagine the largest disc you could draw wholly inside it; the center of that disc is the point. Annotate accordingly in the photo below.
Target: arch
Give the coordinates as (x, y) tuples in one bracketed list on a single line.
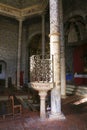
[(33, 34), (75, 28), (3, 73), (37, 49), (37, 36), (74, 13)]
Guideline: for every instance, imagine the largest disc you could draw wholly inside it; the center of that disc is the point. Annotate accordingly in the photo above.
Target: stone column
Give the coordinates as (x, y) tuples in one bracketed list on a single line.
[(62, 54), (43, 35), (55, 51), (42, 95), (19, 53)]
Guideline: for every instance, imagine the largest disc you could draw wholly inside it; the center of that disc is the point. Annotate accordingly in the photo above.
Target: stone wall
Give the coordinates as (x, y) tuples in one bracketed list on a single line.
[(9, 38), (9, 43), (8, 46)]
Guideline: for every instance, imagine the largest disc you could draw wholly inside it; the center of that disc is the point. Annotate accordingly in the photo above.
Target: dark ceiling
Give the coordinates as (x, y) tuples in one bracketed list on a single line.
[(21, 3)]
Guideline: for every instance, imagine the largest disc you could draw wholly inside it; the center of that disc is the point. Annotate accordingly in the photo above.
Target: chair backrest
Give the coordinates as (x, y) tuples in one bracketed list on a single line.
[(15, 101), (15, 105), (12, 100)]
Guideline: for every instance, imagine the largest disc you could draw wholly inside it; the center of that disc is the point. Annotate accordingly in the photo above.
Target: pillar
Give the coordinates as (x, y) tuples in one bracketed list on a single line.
[(55, 51), (43, 35), (19, 53), (62, 53), (42, 95)]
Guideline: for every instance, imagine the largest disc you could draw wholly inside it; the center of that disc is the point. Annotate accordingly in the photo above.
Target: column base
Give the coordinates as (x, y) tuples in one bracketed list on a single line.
[(63, 96), (42, 119), (57, 116)]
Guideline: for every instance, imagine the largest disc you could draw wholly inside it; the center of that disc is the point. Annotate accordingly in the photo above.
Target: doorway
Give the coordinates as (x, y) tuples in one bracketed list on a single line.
[(2, 74)]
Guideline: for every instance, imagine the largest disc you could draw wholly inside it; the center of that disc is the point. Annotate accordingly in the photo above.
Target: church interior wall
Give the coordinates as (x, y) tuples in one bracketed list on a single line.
[(8, 46), (9, 38), (30, 31)]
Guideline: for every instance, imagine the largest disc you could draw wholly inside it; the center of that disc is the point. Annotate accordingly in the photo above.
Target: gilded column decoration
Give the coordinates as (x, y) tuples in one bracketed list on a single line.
[(62, 54), (55, 51)]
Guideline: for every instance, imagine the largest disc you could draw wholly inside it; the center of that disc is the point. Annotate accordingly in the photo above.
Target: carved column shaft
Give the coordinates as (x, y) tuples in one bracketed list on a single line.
[(19, 53), (54, 39), (55, 50), (62, 54)]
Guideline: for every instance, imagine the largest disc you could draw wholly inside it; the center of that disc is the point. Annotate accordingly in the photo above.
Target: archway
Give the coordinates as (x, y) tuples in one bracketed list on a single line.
[(3, 66), (35, 47), (75, 36)]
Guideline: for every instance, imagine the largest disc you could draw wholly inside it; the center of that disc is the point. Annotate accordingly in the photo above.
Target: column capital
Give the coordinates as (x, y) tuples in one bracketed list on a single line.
[(43, 13), (43, 94), (20, 19), (57, 34)]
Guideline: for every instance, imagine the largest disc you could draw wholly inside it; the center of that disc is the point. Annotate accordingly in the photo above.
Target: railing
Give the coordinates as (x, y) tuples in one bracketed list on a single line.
[(41, 68)]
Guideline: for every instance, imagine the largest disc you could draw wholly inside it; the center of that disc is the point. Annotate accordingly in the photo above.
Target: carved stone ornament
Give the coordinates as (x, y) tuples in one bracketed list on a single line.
[(17, 13)]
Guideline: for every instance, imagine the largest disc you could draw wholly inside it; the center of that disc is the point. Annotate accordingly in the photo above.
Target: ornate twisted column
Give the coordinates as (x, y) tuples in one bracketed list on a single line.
[(62, 53), (19, 53), (55, 50)]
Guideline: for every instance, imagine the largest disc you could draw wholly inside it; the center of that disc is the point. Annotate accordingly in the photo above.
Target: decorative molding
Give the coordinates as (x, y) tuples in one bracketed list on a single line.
[(9, 11), (55, 34), (30, 11), (22, 13)]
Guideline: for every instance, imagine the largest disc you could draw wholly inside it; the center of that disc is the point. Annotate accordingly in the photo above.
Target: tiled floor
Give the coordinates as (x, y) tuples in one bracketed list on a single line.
[(76, 119)]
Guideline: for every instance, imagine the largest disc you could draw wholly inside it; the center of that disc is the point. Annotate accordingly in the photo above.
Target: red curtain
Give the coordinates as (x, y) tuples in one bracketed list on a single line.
[(79, 65)]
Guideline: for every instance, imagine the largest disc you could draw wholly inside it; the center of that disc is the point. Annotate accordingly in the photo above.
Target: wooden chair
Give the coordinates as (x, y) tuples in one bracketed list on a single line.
[(6, 108), (16, 108)]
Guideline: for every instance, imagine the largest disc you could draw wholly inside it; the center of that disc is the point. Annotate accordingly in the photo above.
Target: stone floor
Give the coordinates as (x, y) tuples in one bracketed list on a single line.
[(76, 118)]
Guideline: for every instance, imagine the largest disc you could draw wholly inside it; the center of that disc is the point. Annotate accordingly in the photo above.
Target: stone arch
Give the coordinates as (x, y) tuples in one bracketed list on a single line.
[(75, 29), (75, 34), (74, 13), (37, 37), (37, 34)]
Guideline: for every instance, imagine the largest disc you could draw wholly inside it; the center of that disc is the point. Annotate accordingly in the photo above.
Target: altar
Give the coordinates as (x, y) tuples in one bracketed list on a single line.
[(80, 79)]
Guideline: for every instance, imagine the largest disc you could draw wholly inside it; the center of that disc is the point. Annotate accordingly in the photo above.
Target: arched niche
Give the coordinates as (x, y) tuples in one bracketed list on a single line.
[(35, 48), (3, 74), (35, 45), (75, 30)]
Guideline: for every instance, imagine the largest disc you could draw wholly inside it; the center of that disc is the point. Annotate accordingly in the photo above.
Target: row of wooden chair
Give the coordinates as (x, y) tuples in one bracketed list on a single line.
[(11, 108), (16, 108)]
